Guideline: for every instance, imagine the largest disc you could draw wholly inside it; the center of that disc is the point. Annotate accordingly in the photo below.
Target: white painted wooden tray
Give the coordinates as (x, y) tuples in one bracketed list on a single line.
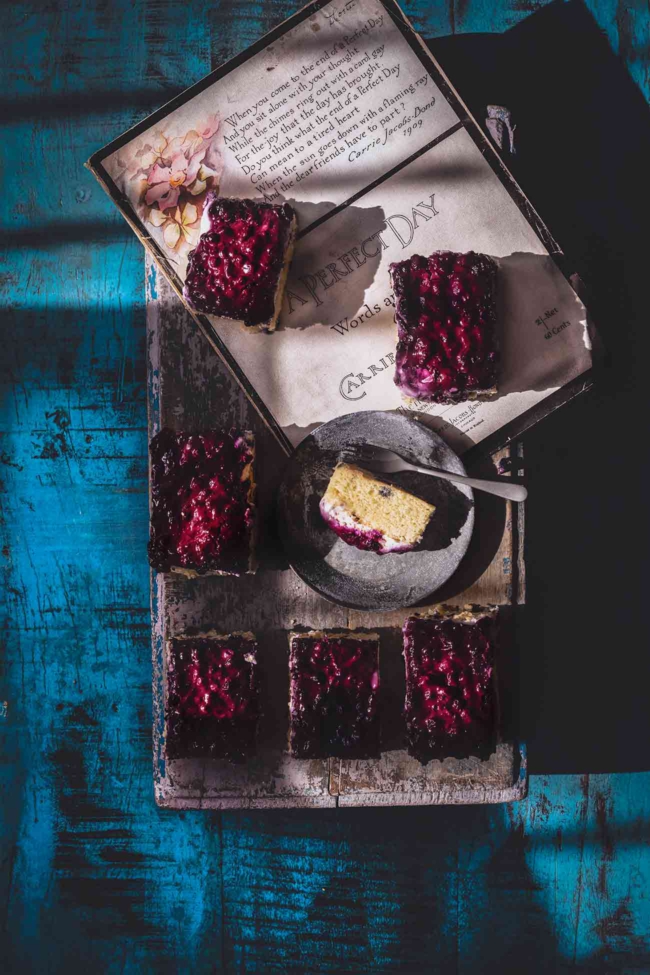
[(188, 388)]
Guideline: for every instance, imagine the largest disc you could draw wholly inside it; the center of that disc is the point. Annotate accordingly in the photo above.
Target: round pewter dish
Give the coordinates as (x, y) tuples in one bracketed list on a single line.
[(360, 579)]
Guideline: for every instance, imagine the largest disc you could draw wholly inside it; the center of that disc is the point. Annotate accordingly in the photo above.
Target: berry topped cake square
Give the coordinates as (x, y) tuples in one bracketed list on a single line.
[(450, 705), (239, 268), (212, 697), (445, 309), (333, 695), (202, 502)]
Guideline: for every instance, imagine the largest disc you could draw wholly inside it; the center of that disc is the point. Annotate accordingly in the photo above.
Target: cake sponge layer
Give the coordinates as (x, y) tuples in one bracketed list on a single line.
[(373, 514)]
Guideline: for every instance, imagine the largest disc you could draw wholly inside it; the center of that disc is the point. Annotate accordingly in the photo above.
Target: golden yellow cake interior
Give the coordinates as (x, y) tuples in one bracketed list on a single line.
[(357, 501)]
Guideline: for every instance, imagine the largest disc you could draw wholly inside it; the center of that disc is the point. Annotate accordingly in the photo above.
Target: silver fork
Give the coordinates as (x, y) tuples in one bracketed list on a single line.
[(379, 460)]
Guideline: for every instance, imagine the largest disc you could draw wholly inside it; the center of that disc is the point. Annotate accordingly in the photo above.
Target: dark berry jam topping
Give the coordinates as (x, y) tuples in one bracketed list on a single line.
[(450, 698), (445, 309), (333, 701), (201, 514), (212, 698), (235, 269)]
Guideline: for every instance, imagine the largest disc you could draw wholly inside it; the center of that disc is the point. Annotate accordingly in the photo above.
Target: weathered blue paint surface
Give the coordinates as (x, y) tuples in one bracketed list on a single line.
[(92, 873)]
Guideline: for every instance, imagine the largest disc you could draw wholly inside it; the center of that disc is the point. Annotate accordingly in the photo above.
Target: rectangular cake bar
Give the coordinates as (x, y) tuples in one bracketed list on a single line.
[(450, 706), (445, 310), (372, 514), (239, 268), (212, 708), (333, 695), (202, 502)]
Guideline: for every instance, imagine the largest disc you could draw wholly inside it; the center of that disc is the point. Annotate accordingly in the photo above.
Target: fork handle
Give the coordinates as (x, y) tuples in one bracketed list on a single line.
[(512, 492)]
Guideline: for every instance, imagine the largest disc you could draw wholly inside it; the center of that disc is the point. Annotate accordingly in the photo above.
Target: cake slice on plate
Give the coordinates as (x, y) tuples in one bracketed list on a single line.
[(372, 514), (212, 708), (446, 315), (239, 268), (451, 706), (333, 694), (202, 502)]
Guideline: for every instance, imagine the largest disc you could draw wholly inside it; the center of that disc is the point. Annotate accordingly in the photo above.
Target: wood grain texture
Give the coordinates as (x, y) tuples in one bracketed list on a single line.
[(92, 873)]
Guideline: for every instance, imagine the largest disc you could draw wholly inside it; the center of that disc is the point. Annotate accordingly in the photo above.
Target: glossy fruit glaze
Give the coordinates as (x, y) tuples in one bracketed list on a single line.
[(212, 698), (201, 515), (445, 309), (450, 698), (235, 269), (333, 697)]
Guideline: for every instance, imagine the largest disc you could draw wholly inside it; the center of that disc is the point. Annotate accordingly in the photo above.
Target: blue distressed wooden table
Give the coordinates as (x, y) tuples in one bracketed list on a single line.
[(92, 873)]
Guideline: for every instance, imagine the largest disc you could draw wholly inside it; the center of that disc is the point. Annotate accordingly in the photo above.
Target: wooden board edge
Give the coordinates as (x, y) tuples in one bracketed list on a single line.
[(165, 801), (467, 797)]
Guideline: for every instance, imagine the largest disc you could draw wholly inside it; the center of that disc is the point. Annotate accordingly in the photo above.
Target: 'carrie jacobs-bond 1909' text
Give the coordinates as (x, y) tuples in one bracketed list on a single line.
[(399, 228)]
